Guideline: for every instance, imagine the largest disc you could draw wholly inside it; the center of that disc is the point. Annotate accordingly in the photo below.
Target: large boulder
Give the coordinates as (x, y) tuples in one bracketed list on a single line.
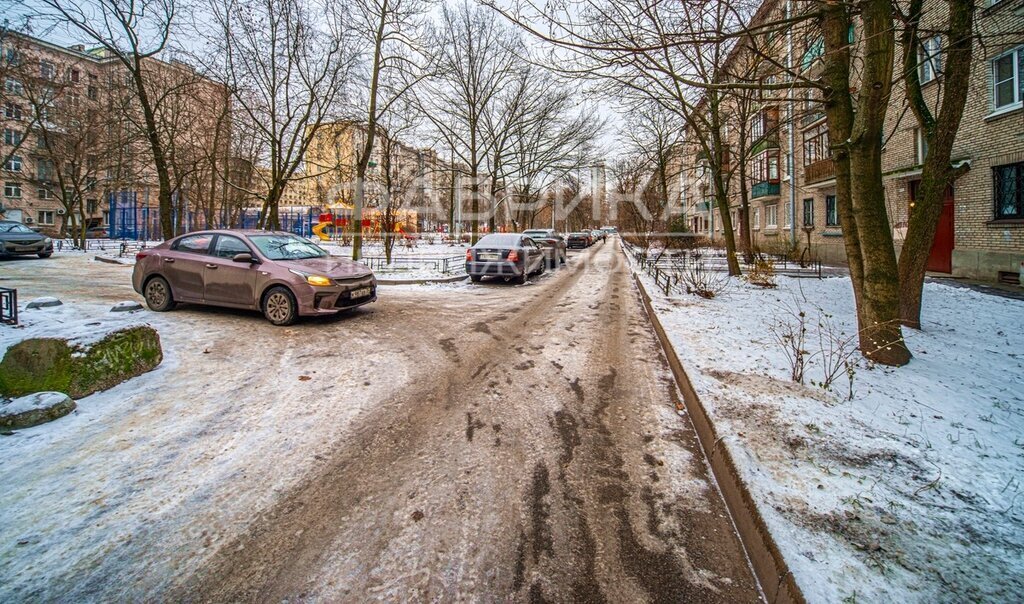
[(51, 364), (35, 409)]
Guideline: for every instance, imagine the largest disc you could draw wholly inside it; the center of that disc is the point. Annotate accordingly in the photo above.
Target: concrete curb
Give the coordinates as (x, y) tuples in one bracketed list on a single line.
[(421, 281), (770, 569), (111, 261)]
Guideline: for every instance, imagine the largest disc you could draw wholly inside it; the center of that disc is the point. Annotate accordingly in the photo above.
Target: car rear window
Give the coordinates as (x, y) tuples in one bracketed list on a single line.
[(196, 244), (499, 240)]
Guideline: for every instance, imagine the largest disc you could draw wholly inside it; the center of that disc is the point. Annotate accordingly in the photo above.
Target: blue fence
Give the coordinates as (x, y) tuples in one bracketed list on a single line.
[(300, 222)]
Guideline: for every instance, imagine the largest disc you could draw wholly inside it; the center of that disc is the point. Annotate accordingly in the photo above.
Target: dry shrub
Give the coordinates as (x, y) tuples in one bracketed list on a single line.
[(762, 273), (702, 281)]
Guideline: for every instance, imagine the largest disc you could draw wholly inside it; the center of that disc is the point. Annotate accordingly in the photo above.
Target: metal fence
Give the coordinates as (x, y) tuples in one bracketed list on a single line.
[(8, 306), (446, 265)]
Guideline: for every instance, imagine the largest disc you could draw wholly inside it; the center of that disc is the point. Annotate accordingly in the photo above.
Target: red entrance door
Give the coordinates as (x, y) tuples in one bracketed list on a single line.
[(941, 257)]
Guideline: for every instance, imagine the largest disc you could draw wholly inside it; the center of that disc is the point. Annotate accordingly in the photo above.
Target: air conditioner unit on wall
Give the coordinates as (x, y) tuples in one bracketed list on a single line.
[(61, 211), (28, 220)]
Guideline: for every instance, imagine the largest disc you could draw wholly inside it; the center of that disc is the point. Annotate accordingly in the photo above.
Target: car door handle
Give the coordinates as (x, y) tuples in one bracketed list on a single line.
[(211, 266), (168, 259)]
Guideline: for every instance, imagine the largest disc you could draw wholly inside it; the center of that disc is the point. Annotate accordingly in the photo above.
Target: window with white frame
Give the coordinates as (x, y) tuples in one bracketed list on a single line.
[(12, 137), (771, 216), (44, 216), (12, 86), (755, 224), (789, 216), (12, 111), (809, 212), (47, 71), (929, 59), (1008, 80), (12, 189), (45, 193), (106, 217), (13, 164)]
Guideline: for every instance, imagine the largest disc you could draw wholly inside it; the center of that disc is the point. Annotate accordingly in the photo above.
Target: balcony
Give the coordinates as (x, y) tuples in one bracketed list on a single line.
[(819, 171), (764, 189)]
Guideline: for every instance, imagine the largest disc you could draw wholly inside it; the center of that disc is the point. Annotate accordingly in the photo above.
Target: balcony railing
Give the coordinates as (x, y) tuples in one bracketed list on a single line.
[(764, 189), (819, 171)]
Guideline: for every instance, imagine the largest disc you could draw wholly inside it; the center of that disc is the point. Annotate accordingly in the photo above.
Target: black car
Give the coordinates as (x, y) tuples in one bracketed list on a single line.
[(18, 239), (508, 256), (578, 240)]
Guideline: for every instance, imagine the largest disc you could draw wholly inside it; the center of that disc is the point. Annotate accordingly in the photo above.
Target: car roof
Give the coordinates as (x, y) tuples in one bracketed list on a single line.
[(238, 232)]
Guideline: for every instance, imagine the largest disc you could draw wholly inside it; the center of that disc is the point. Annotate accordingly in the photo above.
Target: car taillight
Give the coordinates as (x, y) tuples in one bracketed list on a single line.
[(469, 254), (141, 255), (513, 256)]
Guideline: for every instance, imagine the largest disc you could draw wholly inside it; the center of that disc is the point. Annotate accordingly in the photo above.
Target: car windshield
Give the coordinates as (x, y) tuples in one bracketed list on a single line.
[(14, 227), (287, 247), (536, 233), (496, 240)]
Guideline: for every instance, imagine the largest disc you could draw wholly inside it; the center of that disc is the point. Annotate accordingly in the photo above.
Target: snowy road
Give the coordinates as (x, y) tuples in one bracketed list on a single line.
[(484, 443)]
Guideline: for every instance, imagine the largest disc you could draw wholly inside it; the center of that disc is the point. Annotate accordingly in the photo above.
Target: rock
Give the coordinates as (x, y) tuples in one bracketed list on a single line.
[(35, 409), (126, 307), (45, 302), (51, 364)]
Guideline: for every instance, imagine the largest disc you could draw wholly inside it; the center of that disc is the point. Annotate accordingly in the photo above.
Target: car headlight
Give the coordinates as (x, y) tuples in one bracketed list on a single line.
[(317, 280), (47, 241)]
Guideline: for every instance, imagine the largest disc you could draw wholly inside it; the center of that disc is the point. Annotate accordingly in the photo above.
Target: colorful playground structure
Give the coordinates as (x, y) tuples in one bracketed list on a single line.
[(335, 223)]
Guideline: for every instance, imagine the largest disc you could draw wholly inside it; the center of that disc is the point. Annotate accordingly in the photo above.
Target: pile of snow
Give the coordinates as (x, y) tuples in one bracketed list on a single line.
[(910, 489), (33, 402)]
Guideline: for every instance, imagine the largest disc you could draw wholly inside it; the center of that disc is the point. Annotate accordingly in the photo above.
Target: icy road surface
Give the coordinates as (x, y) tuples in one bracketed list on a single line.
[(476, 443)]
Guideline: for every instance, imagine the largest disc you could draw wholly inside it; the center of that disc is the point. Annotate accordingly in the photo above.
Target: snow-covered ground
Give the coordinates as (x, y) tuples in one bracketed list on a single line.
[(911, 490)]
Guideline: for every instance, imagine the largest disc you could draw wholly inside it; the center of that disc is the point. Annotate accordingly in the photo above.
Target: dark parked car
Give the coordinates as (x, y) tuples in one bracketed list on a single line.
[(579, 240), (548, 238), (280, 274), (17, 239), (510, 256)]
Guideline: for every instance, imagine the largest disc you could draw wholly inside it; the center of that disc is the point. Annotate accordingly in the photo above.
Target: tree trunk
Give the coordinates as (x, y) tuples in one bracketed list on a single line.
[(937, 173), (856, 141)]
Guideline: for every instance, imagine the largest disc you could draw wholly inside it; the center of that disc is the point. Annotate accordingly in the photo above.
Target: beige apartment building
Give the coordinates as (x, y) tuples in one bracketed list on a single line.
[(70, 119), (791, 180)]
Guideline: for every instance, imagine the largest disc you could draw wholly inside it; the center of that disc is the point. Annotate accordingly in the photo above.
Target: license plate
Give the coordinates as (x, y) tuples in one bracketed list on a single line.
[(362, 292), (486, 256)]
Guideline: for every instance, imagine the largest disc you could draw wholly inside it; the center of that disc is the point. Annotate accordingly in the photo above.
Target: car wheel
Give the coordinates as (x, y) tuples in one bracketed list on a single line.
[(521, 279), (45, 254), (542, 266), (279, 306), (158, 295), (475, 278)]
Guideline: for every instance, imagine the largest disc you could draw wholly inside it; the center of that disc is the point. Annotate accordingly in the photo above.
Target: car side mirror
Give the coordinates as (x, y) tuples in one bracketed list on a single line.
[(244, 257)]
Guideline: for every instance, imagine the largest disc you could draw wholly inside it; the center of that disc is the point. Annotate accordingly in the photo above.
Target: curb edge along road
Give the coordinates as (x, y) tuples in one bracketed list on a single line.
[(421, 281), (777, 582)]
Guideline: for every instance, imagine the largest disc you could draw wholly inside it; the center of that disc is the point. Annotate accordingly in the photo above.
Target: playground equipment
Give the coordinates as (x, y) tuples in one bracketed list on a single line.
[(328, 227)]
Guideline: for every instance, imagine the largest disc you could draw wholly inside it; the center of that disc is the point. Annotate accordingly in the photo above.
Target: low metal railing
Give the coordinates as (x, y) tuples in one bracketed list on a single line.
[(446, 265)]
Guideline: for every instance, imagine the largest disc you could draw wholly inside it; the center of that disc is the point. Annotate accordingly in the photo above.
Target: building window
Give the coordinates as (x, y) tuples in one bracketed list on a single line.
[(12, 111), (920, 146), (44, 217), (74, 75), (809, 212), (106, 217), (756, 223), (12, 189), (12, 55), (771, 216), (789, 216), (814, 51), (12, 137), (46, 70), (929, 59), (831, 211), (1008, 80), (91, 205), (1009, 191), (766, 166), (45, 193), (13, 164), (12, 86)]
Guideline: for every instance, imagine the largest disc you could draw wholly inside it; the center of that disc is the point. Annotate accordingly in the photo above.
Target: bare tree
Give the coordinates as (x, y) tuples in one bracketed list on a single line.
[(132, 32), (473, 61), (391, 27), (287, 64)]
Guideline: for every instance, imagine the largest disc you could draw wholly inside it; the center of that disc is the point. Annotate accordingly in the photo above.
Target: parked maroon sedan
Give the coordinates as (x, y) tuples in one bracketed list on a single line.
[(280, 274)]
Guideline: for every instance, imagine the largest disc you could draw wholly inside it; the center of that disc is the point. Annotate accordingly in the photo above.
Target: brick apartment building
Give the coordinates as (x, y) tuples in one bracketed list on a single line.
[(70, 120), (791, 184)]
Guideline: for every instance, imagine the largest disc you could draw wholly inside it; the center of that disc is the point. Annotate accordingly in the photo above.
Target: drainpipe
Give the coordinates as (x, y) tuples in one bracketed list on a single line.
[(792, 128)]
